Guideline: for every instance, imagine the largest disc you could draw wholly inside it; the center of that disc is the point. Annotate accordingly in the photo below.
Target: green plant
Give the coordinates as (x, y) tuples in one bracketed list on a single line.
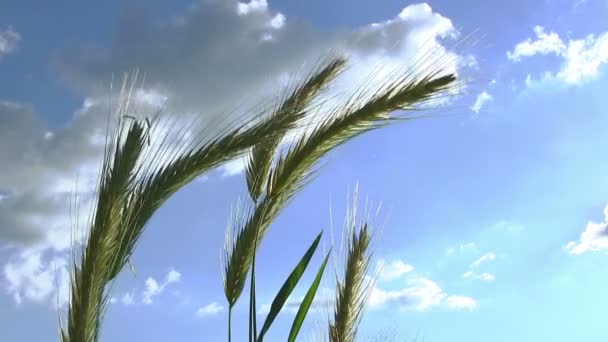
[(137, 178)]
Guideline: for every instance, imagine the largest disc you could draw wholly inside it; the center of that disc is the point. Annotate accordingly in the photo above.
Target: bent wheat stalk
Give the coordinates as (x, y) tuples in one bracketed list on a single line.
[(294, 168), (135, 180)]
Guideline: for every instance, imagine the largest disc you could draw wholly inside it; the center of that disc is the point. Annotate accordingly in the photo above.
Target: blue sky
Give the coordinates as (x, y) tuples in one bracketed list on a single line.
[(493, 222)]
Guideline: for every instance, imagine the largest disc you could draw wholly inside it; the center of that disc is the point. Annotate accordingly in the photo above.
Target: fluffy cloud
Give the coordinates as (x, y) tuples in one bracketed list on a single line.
[(199, 63), (9, 40), (214, 53), (482, 99), (581, 58), (395, 269), (211, 309), (30, 278), (208, 60), (46, 173), (593, 239), (545, 43), (154, 288), (419, 294)]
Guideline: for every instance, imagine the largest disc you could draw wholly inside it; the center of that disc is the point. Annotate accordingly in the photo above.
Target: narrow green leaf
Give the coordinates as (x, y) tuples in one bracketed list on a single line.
[(306, 303), (281, 298)]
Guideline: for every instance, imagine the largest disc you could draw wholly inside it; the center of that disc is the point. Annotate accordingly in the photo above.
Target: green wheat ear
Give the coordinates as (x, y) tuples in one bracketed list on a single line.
[(135, 180), (294, 168), (352, 290), (293, 107)]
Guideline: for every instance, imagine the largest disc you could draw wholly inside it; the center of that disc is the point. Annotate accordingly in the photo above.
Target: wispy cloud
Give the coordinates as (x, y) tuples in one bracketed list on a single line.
[(9, 41), (581, 58), (211, 309), (485, 276), (154, 288), (126, 299), (465, 247), (322, 302), (488, 257), (393, 270), (593, 239), (482, 99)]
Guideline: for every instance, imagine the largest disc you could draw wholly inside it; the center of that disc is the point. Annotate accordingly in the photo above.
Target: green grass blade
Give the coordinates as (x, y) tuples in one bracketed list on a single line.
[(291, 282), (307, 302)]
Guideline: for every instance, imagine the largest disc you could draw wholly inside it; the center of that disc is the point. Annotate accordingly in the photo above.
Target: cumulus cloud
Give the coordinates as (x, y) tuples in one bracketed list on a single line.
[(200, 63), (593, 239), (205, 62), (545, 43), (482, 99), (30, 278), (154, 288), (419, 294), (211, 309), (44, 173), (393, 270), (9, 41), (581, 59)]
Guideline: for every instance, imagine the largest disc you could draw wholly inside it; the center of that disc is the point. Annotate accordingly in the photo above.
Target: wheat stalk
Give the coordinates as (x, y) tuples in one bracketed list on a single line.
[(406, 92), (136, 180), (293, 106), (352, 291)]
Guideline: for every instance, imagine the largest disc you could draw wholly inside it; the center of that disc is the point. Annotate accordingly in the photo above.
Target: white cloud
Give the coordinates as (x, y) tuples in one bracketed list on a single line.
[(465, 247), (581, 58), (244, 8), (420, 294), (394, 270), (154, 289), (29, 278), (461, 303), (546, 43), (173, 276), (483, 98), (278, 21), (127, 299), (233, 167), (9, 40), (209, 310), (593, 239), (322, 302), (200, 63), (508, 226), (485, 276), (488, 257)]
